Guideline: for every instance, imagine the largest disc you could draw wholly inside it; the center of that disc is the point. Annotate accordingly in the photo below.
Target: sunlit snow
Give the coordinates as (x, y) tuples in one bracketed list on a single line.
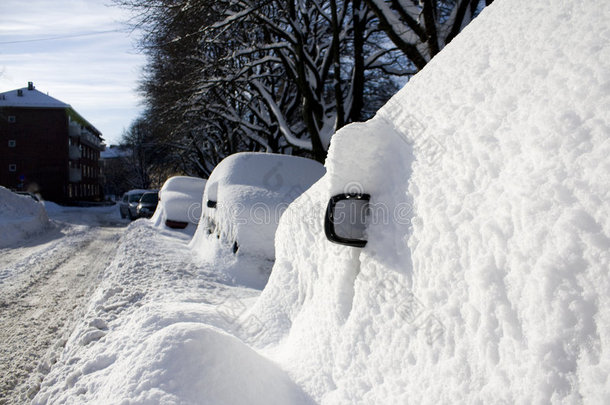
[(484, 280)]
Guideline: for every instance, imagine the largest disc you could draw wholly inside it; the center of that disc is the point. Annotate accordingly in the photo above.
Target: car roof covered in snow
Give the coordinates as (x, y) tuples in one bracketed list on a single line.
[(137, 191), (265, 170), (183, 183)]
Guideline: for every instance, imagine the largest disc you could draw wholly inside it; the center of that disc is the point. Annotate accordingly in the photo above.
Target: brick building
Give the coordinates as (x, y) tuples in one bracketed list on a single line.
[(48, 148)]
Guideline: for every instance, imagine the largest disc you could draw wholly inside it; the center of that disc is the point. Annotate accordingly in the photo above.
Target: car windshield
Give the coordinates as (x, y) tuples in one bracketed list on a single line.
[(135, 197), (149, 198)]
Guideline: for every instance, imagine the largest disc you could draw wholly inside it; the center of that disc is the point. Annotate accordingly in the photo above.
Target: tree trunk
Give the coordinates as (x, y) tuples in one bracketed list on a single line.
[(355, 113), (336, 50)]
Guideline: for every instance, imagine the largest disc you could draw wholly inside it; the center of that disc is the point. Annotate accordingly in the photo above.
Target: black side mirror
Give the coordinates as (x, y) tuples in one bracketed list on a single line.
[(211, 204), (345, 220)]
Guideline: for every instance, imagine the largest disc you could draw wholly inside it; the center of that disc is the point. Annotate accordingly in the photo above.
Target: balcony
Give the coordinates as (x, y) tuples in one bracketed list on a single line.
[(91, 140), (74, 130), (76, 175), (74, 152)]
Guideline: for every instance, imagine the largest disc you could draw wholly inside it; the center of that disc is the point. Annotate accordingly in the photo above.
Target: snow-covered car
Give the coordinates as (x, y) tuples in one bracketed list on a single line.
[(179, 202), (148, 204), (128, 207), (247, 193)]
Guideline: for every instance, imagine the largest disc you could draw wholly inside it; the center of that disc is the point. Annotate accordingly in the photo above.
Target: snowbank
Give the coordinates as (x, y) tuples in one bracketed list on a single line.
[(179, 201), (157, 331), (191, 362), (20, 217), (485, 278)]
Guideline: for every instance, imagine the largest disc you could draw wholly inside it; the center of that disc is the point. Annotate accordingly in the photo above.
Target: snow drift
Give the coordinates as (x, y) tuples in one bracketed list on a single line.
[(156, 332), (485, 277), (20, 217), (484, 280)]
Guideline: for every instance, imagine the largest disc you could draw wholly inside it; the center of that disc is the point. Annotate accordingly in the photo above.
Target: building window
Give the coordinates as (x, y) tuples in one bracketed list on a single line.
[(12, 119), (12, 167), (12, 143)]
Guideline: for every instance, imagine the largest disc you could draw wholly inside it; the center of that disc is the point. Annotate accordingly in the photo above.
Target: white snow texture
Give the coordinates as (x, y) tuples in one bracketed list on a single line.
[(20, 217), (489, 282), (484, 280), (180, 200), (251, 192)]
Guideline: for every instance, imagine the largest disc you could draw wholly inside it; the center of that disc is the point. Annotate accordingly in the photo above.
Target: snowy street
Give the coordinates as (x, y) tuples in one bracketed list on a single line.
[(453, 249), (44, 286)]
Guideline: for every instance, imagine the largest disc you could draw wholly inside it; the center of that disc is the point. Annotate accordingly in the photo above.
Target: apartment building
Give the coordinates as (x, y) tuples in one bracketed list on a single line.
[(46, 147)]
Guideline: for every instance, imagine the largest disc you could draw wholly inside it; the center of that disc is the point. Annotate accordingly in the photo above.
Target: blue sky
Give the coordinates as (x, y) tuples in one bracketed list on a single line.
[(77, 51)]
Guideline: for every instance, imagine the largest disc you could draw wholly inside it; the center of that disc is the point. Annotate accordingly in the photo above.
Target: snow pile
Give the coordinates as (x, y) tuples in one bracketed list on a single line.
[(156, 331), (485, 277), (20, 216), (179, 200), (245, 197), (484, 280)]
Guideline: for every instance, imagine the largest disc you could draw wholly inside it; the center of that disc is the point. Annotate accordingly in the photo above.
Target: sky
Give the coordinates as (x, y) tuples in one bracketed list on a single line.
[(79, 52)]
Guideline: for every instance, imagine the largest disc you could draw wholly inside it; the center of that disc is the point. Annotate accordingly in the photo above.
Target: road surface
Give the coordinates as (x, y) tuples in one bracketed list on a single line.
[(44, 284)]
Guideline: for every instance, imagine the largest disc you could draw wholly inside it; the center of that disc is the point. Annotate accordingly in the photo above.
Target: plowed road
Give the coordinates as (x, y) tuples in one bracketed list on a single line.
[(44, 283)]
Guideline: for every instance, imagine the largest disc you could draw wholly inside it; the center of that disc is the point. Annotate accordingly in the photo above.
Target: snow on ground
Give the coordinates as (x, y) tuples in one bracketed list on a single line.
[(20, 216), (161, 329), (489, 282), (484, 280), (45, 279)]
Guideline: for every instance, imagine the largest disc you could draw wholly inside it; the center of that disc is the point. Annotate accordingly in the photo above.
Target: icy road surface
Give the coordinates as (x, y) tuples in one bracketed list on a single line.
[(44, 283)]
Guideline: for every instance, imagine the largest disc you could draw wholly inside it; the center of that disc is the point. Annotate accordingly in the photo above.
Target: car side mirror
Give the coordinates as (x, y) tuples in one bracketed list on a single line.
[(346, 219)]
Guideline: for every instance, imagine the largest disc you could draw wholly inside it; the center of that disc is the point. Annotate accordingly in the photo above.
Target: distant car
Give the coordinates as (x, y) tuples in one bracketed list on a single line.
[(129, 203), (148, 204), (247, 193), (179, 202)]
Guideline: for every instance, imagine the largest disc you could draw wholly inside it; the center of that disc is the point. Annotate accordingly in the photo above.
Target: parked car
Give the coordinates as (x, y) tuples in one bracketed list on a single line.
[(129, 203), (148, 204), (179, 202), (247, 193)]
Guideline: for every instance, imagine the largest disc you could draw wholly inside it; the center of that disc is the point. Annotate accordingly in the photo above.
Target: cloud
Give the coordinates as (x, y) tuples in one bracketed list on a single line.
[(57, 17), (96, 74)]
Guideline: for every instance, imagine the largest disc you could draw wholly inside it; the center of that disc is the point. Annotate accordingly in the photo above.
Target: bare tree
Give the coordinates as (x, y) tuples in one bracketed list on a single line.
[(300, 68), (421, 28), (139, 151), (272, 75)]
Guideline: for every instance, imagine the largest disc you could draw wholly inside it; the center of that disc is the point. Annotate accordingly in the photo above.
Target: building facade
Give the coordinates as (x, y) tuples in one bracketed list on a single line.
[(46, 147)]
